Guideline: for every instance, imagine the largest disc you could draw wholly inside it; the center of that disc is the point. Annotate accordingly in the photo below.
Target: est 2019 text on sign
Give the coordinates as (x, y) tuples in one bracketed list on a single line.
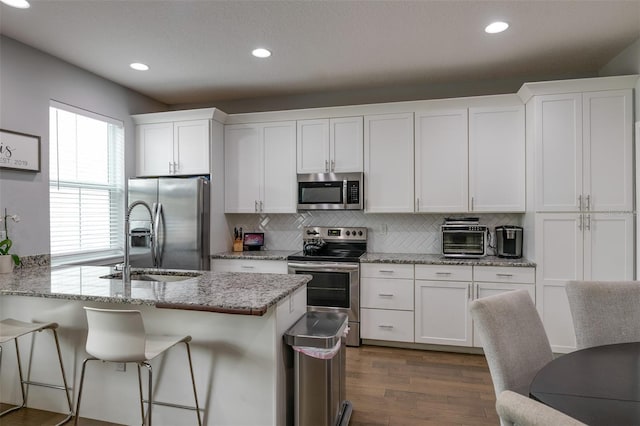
[(19, 151)]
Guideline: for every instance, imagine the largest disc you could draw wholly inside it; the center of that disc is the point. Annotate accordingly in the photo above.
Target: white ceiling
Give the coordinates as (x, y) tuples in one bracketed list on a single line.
[(199, 51)]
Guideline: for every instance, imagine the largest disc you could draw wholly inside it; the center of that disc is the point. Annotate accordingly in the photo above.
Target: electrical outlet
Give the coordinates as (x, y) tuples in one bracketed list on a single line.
[(3, 235), (121, 366)]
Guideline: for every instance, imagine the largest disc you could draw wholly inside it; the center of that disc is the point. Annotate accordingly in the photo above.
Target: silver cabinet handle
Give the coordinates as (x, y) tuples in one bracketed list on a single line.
[(472, 200), (504, 275), (580, 223), (255, 206), (580, 202), (588, 207), (176, 167), (333, 166), (247, 267), (386, 271), (261, 208), (326, 165), (170, 167), (417, 204), (443, 273), (469, 295), (385, 326), (385, 294), (587, 225)]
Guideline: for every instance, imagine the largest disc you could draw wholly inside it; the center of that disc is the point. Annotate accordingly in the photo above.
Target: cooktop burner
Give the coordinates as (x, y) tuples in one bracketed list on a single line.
[(326, 244)]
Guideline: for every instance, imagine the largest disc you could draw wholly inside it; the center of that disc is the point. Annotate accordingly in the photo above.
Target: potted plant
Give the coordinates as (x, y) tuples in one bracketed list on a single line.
[(7, 260)]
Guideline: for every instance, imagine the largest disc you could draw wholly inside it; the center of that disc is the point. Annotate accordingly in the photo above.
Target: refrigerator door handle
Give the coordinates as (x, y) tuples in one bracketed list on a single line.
[(157, 221)]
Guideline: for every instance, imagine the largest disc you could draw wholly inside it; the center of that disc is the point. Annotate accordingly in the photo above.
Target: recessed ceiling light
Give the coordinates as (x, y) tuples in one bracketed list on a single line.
[(261, 53), (20, 4), (139, 66), (496, 27)]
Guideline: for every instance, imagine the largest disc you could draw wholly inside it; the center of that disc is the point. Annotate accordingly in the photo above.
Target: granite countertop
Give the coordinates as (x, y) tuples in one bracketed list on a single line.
[(255, 255), (225, 292), (437, 259)]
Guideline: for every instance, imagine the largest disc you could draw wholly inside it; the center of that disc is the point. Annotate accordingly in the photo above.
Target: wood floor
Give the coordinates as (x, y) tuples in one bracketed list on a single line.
[(387, 386)]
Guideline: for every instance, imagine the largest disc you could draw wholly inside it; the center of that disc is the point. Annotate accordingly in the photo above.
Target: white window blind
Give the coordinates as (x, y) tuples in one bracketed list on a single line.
[(86, 185)]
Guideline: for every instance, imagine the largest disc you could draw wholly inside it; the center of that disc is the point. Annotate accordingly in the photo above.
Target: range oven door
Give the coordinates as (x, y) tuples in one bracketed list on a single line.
[(335, 287)]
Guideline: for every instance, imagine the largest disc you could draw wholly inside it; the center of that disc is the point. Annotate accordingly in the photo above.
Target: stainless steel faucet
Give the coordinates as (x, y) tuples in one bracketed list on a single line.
[(126, 269)]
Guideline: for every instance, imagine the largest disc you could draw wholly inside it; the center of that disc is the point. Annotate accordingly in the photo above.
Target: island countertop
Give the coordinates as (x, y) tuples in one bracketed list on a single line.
[(224, 292)]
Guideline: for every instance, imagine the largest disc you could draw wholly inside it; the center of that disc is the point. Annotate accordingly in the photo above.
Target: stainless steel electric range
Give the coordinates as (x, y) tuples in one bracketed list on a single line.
[(332, 256)]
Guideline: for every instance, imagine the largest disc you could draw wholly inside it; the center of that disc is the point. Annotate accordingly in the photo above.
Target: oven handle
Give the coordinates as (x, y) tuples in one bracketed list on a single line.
[(332, 265)]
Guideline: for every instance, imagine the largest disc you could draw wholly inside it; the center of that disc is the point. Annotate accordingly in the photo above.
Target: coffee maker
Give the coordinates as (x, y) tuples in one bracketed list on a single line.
[(509, 241)]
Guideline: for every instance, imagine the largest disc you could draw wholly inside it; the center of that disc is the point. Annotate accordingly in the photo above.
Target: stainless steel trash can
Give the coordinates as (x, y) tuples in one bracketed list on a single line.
[(319, 341)]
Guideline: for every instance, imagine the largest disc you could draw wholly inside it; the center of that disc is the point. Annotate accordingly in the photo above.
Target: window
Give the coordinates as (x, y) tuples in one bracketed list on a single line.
[(86, 184)]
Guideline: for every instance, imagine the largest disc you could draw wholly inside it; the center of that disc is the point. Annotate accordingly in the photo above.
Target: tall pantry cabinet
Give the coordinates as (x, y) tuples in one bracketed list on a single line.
[(581, 205)]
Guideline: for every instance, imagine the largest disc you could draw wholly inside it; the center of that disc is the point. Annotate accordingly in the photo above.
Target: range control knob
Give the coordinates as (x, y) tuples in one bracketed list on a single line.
[(360, 233), (348, 233)]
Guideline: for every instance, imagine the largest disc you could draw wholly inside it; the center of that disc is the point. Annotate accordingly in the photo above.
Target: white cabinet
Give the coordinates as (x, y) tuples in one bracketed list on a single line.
[(442, 295), (173, 148), (584, 151), (497, 159), (577, 246), (249, 265), (388, 163), (441, 169), (260, 173), (386, 301), (330, 145), (493, 280)]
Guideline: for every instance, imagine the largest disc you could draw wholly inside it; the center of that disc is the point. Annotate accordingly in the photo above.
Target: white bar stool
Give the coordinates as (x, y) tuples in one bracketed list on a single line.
[(11, 329), (119, 336)]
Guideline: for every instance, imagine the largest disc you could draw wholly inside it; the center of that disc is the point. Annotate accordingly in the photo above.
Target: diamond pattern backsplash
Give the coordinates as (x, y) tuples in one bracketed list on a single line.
[(388, 233)]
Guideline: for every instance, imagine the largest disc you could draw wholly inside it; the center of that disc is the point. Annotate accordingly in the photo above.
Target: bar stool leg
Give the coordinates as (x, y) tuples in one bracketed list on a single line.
[(193, 383), (150, 396), (64, 379), (84, 367), (141, 397)]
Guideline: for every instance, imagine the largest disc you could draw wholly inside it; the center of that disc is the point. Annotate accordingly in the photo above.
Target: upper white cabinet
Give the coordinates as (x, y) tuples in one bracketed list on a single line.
[(330, 145), (260, 171), (497, 159), (176, 142), (441, 171), (584, 151), (173, 148), (388, 163)]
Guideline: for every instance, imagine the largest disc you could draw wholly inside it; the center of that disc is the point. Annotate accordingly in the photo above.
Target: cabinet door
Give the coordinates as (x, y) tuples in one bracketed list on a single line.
[(559, 252), (608, 151), (388, 163), (279, 152), (608, 246), (313, 146), (442, 312), (496, 159), (492, 289), (441, 158), (243, 168), (191, 147), (558, 139), (154, 143), (345, 139)]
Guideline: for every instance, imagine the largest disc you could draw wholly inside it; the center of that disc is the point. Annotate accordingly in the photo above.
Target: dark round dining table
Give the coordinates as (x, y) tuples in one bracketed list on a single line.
[(598, 386)]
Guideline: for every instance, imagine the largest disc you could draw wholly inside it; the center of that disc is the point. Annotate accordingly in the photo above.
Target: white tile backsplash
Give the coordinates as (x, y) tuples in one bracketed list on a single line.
[(388, 233)]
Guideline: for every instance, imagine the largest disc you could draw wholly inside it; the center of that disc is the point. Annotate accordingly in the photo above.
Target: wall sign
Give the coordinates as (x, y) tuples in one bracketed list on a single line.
[(19, 151)]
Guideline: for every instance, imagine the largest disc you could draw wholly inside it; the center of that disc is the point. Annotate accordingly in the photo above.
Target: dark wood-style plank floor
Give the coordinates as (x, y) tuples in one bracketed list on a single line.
[(387, 386)]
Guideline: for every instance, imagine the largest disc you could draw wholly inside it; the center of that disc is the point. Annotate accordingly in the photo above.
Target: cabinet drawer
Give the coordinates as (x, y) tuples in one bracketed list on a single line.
[(444, 272), (389, 325), (386, 270), (384, 293), (249, 265), (502, 274)]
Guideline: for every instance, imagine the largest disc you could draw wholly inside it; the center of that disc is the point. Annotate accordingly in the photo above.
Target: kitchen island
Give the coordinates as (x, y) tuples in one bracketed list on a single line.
[(236, 321)]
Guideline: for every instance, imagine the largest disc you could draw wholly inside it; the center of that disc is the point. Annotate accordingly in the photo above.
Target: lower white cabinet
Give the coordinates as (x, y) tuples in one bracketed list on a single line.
[(249, 265), (443, 294), (386, 302)]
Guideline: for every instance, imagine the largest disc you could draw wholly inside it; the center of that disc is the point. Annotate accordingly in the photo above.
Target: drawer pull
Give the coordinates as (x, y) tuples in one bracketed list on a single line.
[(388, 327), (385, 294), (247, 267), (504, 275), (443, 273), (386, 271)]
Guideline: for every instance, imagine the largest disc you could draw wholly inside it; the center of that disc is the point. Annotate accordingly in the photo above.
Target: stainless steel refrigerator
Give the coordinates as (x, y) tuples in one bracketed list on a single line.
[(180, 223)]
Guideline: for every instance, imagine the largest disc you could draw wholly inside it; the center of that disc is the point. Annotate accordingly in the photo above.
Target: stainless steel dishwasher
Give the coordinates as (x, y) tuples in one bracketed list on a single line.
[(319, 342)]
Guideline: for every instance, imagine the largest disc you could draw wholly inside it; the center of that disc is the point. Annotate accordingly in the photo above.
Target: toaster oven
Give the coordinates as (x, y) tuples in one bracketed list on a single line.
[(464, 238)]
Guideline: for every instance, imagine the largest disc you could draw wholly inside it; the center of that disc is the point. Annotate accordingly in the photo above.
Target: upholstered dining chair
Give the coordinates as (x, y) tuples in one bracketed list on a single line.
[(522, 411), (604, 312), (513, 338)]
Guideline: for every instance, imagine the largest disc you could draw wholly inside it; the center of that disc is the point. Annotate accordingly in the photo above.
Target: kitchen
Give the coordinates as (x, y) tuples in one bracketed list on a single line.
[(22, 67)]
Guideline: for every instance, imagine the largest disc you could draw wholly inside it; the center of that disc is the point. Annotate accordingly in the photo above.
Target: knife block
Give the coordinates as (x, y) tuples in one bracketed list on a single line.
[(237, 245)]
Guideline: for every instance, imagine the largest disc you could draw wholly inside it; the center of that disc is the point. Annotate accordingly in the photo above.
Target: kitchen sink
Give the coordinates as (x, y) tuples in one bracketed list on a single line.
[(155, 276)]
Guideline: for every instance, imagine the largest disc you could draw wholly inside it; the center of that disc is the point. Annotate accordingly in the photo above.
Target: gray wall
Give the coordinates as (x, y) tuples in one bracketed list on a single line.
[(626, 62), (28, 80)]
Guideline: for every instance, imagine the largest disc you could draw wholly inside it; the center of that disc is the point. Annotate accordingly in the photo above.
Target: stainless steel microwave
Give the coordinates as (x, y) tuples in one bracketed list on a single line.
[(330, 191)]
